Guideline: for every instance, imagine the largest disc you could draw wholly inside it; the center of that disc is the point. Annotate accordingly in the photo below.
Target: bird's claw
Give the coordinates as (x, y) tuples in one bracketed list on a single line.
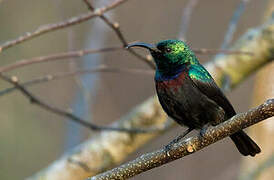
[(167, 148), (203, 131)]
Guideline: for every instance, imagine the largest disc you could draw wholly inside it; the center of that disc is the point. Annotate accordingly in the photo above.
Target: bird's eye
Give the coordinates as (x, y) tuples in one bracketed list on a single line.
[(168, 50)]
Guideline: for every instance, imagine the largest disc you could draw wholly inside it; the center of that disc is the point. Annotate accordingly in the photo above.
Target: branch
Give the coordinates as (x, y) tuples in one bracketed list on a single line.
[(51, 77), (60, 25), (233, 23), (113, 25), (259, 41), (116, 28), (55, 57), (187, 12), (223, 51), (34, 100), (191, 145), (110, 148), (98, 154), (80, 53)]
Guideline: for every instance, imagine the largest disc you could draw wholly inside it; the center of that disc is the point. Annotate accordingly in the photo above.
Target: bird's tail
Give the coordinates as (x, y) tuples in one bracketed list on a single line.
[(245, 144)]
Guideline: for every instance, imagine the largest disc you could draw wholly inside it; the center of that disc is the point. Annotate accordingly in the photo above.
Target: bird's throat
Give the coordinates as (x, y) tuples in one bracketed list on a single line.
[(168, 73)]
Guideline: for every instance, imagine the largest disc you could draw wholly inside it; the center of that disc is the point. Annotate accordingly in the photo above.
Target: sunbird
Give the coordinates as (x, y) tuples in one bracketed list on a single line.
[(188, 93)]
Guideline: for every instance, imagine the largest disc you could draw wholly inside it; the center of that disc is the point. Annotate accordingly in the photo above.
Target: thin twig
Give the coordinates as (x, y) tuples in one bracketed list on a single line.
[(187, 12), (233, 23), (60, 25), (223, 51), (51, 77), (191, 145), (113, 25), (80, 53), (54, 57), (34, 100), (116, 28)]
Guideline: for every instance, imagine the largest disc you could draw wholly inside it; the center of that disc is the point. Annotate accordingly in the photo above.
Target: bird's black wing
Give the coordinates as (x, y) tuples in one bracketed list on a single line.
[(211, 90), (207, 86)]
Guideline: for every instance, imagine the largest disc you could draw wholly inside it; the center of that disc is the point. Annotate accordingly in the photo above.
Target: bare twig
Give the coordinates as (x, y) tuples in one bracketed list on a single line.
[(187, 12), (223, 51), (116, 28), (233, 23), (50, 77), (80, 53), (54, 57), (113, 25), (60, 25), (191, 145), (33, 99), (89, 5)]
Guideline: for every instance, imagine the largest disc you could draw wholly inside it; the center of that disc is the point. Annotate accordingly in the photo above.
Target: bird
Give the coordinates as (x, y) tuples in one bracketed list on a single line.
[(188, 93)]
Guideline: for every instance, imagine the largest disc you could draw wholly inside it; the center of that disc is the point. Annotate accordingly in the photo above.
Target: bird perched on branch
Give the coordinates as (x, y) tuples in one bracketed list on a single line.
[(188, 93)]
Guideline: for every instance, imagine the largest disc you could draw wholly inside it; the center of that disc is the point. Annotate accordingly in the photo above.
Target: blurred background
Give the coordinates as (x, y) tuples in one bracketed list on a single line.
[(31, 138)]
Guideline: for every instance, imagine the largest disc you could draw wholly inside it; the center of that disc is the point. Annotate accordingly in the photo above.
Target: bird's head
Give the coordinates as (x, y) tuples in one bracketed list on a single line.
[(169, 54)]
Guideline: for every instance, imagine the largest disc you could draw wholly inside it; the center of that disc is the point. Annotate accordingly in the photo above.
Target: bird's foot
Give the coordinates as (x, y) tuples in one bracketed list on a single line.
[(167, 148), (203, 130)]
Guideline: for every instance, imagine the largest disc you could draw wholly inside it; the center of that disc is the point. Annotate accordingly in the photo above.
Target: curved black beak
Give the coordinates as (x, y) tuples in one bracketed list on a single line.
[(150, 47)]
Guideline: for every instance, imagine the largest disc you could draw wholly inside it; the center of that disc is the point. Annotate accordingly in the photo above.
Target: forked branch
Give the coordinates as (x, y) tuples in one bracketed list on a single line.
[(60, 25)]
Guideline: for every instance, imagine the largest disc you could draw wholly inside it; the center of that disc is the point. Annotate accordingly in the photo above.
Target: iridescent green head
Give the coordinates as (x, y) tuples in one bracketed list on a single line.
[(169, 55)]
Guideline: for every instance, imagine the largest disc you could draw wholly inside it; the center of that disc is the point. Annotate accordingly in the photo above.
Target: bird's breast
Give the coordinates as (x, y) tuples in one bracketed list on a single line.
[(173, 84)]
